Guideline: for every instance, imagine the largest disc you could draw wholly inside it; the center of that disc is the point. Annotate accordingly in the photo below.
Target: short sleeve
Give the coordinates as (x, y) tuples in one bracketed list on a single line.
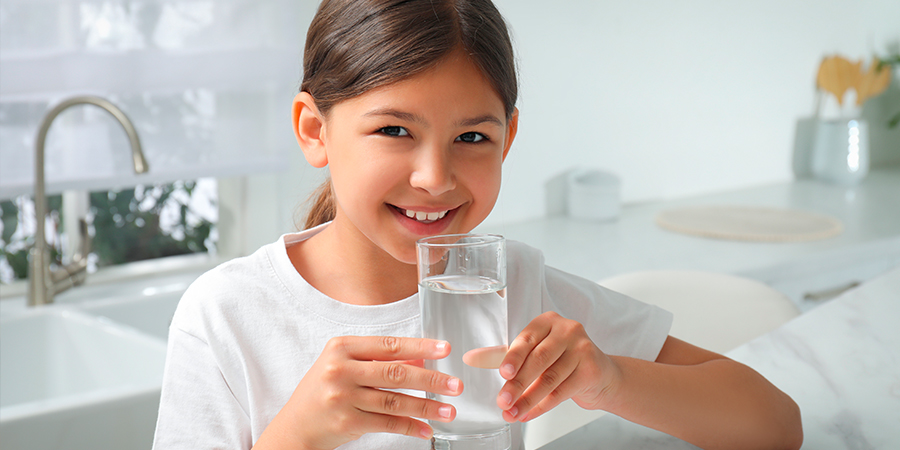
[(618, 324), (197, 409)]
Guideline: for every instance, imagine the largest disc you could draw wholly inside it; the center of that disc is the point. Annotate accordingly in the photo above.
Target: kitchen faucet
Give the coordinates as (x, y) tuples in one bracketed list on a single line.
[(46, 282)]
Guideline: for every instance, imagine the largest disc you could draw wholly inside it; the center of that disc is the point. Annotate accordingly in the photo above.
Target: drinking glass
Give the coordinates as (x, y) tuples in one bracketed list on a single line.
[(462, 290)]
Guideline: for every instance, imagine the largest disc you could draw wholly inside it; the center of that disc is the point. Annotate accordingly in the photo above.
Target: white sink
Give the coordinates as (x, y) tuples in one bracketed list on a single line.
[(148, 314), (70, 380)]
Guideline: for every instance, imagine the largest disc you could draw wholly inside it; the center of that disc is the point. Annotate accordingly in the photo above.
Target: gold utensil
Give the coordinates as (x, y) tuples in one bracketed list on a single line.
[(836, 75), (873, 82)]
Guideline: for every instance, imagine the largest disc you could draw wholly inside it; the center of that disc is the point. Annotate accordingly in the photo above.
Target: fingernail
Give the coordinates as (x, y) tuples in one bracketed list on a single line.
[(506, 398), (453, 384), (444, 411), (426, 433), (507, 371), (513, 411), (441, 346)]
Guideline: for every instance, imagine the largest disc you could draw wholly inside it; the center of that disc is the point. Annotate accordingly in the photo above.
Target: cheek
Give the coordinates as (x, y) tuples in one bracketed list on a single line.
[(358, 192), (360, 180), (485, 186)]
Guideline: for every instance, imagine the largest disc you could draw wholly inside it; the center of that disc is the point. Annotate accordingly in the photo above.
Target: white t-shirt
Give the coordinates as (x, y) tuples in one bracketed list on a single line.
[(246, 332)]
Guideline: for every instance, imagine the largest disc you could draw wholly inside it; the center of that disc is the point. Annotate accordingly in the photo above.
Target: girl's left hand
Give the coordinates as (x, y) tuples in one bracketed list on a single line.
[(552, 360)]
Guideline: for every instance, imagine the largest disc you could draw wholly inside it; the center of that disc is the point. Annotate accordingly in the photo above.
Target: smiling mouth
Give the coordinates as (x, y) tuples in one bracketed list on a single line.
[(422, 216)]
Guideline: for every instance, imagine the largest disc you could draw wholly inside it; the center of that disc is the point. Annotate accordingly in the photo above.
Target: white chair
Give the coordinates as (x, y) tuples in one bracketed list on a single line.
[(715, 311)]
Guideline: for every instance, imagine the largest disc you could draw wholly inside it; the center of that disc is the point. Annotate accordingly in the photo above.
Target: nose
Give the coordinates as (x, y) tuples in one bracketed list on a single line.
[(433, 171)]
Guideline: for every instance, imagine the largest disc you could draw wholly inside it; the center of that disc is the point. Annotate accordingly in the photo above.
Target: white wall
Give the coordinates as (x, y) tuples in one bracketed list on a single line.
[(677, 97)]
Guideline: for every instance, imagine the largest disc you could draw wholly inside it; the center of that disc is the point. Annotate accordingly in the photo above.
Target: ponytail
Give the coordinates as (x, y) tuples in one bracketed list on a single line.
[(322, 210)]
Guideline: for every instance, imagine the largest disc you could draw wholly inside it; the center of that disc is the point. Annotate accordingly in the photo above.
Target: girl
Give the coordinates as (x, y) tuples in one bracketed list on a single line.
[(311, 342)]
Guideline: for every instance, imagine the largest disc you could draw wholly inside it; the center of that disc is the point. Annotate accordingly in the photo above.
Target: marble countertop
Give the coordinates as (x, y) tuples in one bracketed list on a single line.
[(868, 247), (840, 363)]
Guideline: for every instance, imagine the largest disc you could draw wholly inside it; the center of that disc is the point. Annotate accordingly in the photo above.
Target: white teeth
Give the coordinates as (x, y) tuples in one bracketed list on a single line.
[(425, 216)]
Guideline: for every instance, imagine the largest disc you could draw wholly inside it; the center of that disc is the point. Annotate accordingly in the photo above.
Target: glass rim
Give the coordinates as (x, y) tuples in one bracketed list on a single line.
[(488, 239)]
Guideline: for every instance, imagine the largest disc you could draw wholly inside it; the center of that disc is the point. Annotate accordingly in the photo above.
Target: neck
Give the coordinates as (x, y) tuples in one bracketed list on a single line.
[(347, 267)]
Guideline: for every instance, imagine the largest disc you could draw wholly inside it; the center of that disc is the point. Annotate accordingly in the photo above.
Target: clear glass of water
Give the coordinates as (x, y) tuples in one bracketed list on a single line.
[(462, 290)]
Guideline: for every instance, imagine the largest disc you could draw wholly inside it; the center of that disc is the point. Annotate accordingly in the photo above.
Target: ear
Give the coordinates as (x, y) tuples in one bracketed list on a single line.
[(309, 129), (512, 128)]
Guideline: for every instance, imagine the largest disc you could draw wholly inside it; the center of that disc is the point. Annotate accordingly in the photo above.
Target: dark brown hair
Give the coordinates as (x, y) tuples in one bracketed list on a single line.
[(354, 46)]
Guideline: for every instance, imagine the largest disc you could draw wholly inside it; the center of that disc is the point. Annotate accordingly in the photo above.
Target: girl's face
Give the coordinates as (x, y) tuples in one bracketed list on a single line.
[(415, 158)]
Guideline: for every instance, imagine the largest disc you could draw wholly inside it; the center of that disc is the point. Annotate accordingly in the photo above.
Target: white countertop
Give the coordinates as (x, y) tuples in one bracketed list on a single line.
[(839, 362), (869, 244)]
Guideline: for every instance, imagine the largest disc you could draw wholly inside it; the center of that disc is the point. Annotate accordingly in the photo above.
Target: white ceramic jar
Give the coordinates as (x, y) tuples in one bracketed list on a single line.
[(840, 151)]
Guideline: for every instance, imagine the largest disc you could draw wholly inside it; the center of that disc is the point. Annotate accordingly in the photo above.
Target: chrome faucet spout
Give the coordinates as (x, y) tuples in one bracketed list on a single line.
[(45, 283)]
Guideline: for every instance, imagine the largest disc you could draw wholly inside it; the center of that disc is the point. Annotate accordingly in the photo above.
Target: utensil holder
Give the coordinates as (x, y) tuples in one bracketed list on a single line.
[(840, 151)]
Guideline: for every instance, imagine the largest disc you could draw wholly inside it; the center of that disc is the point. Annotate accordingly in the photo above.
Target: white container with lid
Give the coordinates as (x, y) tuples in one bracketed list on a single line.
[(594, 194)]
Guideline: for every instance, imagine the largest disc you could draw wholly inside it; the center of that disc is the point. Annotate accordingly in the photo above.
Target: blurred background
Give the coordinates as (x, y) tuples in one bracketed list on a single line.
[(680, 103), (677, 98)]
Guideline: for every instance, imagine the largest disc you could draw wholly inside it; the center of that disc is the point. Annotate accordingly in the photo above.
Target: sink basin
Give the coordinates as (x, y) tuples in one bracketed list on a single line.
[(148, 314), (70, 380)]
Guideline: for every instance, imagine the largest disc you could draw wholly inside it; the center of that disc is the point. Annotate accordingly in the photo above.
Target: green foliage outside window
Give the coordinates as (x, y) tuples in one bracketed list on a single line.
[(14, 250), (127, 226)]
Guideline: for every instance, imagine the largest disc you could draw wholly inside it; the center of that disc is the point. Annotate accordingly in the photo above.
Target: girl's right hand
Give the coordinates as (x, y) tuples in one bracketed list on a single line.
[(342, 395)]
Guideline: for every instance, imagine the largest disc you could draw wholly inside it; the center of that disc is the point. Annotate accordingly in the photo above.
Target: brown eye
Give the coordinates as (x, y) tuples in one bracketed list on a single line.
[(394, 131), (471, 137)]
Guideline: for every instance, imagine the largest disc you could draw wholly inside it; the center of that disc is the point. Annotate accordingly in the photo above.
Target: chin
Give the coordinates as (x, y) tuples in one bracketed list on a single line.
[(402, 250), (406, 257)]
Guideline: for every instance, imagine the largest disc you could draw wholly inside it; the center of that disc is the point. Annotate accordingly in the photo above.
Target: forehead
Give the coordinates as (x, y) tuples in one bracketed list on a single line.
[(454, 87)]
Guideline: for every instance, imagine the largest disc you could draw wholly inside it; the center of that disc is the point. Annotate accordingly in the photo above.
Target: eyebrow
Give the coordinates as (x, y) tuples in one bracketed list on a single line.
[(415, 118), (480, 120), (405, 116)]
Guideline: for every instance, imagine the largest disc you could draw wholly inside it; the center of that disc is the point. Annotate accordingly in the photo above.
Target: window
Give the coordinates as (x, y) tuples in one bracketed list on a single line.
[(128, 225), (207, 85)]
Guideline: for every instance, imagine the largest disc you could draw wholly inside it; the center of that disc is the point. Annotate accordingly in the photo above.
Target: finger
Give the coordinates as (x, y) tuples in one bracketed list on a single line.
[(524, 343), (389, 348), (562, 393), (399, 404), (544, 355), (395, 375), (486, 357), (386, 423), (546, 385), (414, 362)]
